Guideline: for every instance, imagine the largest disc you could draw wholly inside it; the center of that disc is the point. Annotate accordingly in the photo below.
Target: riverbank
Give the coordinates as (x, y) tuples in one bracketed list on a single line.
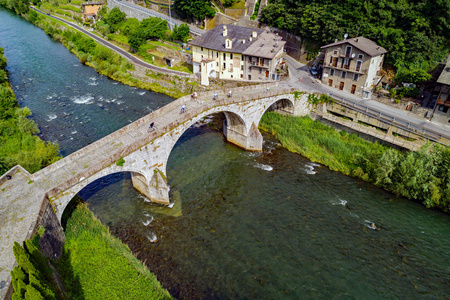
[(97, 265), (18, 140), (421, 176), (107, 62)]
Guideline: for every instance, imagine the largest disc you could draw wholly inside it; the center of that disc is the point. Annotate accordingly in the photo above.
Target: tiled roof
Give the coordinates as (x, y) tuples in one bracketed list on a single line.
[(363, 44), (213, 39), (444, 78), (267, 46)]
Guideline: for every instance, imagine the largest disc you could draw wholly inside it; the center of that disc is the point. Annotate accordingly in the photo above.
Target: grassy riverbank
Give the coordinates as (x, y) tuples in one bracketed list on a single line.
[(102, 59), (96, 265), (423, 176), (18, 141)]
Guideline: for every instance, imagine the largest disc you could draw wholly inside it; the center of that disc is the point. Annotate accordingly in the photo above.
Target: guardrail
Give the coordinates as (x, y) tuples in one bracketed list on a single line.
[(392, 120)]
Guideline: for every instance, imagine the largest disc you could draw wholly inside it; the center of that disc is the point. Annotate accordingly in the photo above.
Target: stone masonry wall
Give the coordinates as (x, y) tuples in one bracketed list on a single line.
[(52, 241)]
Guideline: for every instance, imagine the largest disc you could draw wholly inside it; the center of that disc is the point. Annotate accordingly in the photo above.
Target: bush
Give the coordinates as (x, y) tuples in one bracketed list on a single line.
[(32, 278)]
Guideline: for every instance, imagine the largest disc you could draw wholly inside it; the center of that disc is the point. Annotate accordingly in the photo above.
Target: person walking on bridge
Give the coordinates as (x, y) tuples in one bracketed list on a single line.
[(183, 108), (152, 127)]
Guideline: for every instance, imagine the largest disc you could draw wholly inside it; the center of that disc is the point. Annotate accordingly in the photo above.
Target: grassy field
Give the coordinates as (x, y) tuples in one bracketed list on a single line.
[(96, 265)]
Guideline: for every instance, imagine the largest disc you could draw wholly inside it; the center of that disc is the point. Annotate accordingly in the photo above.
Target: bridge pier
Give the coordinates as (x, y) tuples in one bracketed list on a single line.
[(157, 190), (252, 141)]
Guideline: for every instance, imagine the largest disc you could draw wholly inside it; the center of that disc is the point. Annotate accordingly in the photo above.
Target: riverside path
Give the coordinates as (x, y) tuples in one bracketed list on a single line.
[(117, 49), (25, 198)]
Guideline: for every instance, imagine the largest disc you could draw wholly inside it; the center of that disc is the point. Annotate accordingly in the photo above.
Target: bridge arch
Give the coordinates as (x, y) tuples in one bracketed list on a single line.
[(62, 199), (234, 119)]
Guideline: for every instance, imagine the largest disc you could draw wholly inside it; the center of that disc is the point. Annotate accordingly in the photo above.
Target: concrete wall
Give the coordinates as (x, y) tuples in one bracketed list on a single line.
[(131, 13)]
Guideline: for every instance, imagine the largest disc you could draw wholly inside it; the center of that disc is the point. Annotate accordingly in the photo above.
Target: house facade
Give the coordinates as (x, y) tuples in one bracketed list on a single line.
[(237, 53), (441, 110), (89, 10), (353, 65)]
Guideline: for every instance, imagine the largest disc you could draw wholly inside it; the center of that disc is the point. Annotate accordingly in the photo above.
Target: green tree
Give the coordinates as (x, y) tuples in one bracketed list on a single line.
[(136, 40), (411, 75), (181, 33), (31, 279), (129, 26), (115, 19), (194, 9)]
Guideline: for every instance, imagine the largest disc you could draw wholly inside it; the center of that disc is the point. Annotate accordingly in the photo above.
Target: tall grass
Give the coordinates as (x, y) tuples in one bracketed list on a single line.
[(97, 265), (422, 175)]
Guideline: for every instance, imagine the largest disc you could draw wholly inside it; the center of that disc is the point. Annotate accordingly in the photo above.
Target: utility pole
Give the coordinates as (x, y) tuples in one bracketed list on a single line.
[(170, 17)]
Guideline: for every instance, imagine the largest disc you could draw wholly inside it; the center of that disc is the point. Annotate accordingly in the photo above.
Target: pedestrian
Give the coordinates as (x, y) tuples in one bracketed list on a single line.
[(195, 95), (229, 94), (152, 127), (183, 108)]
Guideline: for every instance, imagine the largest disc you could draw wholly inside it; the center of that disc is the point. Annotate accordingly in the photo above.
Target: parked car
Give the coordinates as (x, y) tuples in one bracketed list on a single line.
[(314, 71)]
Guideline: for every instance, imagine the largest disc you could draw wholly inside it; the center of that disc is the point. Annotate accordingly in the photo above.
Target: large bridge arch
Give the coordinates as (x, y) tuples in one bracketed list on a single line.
[(62, 198)]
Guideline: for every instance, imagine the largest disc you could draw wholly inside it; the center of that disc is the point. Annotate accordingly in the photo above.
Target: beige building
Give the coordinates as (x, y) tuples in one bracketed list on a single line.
[(353, 65), (236, 52), (441, 110), (89, 10)]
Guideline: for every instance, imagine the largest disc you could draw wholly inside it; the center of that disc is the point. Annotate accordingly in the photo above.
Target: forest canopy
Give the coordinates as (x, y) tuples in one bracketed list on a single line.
[(416, 33)]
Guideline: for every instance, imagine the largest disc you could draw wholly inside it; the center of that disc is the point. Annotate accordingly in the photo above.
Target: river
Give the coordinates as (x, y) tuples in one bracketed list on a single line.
[(269, 225)]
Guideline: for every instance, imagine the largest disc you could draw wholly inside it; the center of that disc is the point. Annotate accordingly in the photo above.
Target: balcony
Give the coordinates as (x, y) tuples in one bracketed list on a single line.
[(347, 68)]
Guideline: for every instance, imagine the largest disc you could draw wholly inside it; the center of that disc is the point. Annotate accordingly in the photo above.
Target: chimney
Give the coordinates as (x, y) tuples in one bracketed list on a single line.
[(254, 34), (243, 41), (224, 27), (250, 39)]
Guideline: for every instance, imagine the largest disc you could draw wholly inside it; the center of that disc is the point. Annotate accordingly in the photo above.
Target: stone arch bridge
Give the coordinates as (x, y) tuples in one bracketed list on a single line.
[(30, 200), (146, 153)]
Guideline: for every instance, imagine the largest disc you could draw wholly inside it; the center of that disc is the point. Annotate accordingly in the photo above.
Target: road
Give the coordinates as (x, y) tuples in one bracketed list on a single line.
[(171, 21), (117, 49), (298, 71)]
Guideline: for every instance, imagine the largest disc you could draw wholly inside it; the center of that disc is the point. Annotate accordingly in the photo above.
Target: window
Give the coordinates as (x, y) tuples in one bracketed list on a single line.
[(332, 72), (348, 51), (358, 66), (201, 48), (242, 57), (242, 75), (344, 74), (335, 52), (231, 76), (355, 77), (442, 108), (331, 60), (242, 68), (224, 65), (250, 69), (260, 70), (360, 56), (249, 77), (217, 54), (217, 63), (231, 55), (224, 56)]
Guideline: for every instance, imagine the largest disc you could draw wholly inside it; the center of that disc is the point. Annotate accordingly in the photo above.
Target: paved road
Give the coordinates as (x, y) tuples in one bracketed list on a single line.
[(117, 49), (298, 71), (171, 21)]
